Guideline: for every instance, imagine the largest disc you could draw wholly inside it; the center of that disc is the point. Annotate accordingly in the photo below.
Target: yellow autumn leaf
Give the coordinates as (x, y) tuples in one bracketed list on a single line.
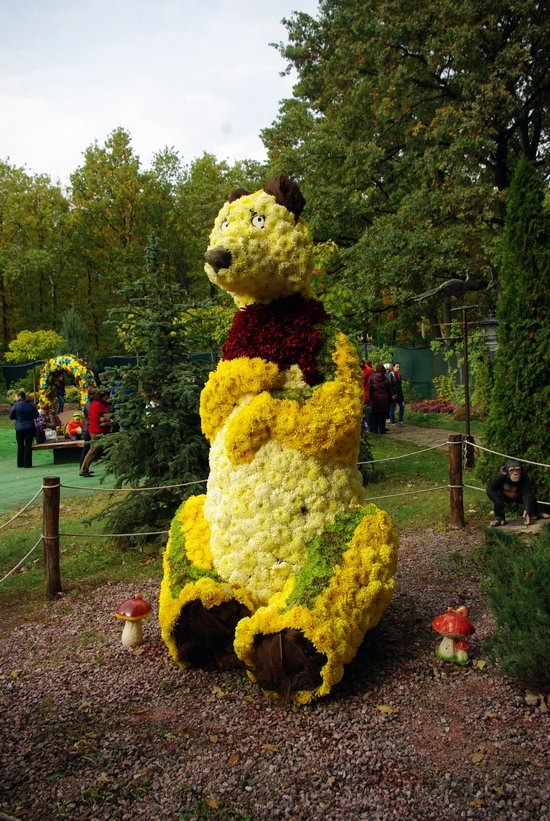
[(15, 673), (386, 709), (233, 759), (270, 748), (476, 802), (217, 691), (213, 738), (330, 780), (478, 756), (212, 803), (171, 736), (139, 651), (480, 664)]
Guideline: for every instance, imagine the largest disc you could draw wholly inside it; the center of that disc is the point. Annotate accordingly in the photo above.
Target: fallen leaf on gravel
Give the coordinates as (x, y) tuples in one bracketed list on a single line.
[(212, 803), (386, 709), (233, 759), (478, 756), (480, 664), (489, 715), (270, 748), (330, 780), (15, 673), (213, 738), (171, 736), (103, 778), (476, 802), (217, 691), (139, 651), (84, 704)]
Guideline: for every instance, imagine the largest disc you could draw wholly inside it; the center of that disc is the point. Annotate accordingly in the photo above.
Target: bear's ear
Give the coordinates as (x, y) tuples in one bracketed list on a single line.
[(287, 193), (237, 194)]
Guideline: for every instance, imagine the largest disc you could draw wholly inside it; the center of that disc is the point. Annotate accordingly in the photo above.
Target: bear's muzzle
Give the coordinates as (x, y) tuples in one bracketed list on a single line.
[(218, 258)]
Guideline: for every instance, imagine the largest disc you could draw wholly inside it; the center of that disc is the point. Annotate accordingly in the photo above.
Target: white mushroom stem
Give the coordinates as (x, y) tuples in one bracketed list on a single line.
[(132, 635), (447, 647)]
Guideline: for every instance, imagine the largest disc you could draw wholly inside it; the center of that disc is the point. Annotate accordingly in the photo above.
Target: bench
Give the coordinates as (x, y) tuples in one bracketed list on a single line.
[(63, 452)]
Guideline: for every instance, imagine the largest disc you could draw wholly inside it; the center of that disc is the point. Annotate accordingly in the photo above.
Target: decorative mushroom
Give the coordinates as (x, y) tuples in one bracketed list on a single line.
[(452, 625), (133, 611)]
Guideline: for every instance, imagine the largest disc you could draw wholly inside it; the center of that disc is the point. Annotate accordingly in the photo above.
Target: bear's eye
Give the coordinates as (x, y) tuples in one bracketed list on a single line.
[(258, 220), (224, 224)]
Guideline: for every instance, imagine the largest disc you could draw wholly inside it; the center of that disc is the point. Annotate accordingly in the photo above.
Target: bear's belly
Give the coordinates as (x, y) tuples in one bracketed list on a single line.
[(262, 514)]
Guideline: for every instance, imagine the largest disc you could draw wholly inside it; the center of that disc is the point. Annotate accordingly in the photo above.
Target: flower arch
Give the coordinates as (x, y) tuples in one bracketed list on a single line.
[(67, 363)]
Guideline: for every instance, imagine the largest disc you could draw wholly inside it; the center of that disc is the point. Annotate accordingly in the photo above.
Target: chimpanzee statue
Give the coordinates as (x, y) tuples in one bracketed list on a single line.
[(512, 484)]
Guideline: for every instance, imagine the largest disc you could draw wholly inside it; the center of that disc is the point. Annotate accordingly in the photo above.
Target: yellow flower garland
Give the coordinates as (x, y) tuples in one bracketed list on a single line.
[(83, 377)]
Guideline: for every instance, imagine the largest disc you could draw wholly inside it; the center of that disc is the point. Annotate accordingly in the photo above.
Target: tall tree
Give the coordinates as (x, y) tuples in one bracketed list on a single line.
[(156, 403), (406, 125), (520, 407)]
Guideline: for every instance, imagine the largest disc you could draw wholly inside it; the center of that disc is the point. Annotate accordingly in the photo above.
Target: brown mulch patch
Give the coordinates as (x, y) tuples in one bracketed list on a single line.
[(89, 729)]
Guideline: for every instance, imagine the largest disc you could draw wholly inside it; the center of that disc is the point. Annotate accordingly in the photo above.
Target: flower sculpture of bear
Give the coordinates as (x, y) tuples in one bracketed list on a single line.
[(280, 567)]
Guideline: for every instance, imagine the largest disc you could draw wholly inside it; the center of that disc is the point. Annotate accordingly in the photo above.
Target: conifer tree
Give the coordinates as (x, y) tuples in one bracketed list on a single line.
[(155, 404), (76, 338), (520, 407)]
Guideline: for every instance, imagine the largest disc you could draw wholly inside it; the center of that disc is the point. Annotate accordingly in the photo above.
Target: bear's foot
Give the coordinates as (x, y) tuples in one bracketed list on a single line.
[(204, 636), (286, 662)]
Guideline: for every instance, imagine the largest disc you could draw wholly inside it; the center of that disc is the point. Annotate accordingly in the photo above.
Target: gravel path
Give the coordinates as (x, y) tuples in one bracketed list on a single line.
[(90, 730)]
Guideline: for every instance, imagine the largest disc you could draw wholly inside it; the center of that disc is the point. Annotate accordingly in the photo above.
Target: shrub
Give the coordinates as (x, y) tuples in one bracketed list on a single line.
[(72, 394), (410, 394), (444, 386), (433, 406), (459, 413), (517, 588)]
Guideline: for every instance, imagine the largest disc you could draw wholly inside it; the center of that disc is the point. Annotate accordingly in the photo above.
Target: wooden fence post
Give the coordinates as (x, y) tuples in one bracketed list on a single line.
[(455, 480), (50, 533)]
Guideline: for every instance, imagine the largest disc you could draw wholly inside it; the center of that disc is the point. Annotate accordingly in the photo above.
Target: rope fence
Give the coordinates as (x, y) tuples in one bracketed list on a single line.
[(51, 493)]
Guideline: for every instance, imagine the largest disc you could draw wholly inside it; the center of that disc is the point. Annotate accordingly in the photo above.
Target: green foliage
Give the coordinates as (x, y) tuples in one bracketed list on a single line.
[(156, 405), (517, 587), (520, 409), (30, 346), (380, 354), (410, 394), (76, 338), (72, 394), (405, 126), (444, 385), (452, 351)]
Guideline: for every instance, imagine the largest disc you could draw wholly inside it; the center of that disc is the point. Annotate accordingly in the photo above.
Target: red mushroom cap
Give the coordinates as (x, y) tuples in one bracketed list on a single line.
[(462, 645), (452, 623), (133, 609)]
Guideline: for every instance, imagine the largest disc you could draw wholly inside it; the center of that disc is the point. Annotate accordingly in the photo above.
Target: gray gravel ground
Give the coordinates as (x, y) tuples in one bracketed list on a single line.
[(90, 730)]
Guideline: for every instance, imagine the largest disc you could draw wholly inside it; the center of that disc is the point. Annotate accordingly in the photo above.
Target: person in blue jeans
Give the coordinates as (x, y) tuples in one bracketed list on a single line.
[(60, 392), (396, 394), (24, 413)]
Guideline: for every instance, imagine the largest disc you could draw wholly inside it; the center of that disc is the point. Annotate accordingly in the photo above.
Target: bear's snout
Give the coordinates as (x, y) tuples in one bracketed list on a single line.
[(218, 258)]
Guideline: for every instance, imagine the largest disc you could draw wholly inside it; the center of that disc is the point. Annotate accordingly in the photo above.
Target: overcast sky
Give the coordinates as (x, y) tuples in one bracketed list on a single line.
[(198, 76)]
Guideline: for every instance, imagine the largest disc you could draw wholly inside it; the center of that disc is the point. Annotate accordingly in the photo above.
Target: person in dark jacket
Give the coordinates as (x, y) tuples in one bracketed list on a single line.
[(379, 399), (24, 413), (367, 373), (512, 484)]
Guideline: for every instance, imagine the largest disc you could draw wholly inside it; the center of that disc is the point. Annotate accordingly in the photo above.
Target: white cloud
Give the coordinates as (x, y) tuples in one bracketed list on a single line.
[(196, 76)]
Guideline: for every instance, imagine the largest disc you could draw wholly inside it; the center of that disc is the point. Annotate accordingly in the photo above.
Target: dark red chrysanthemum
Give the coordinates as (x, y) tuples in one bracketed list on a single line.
[(283, 332)]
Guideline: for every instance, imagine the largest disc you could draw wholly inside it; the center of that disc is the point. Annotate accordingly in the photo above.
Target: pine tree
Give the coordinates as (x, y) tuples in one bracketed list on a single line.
[(520, 408), (155, 404), (76, 338)]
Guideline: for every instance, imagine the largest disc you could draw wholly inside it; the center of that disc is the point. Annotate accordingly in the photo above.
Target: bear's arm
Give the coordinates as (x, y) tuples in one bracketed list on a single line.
[(326, 425), (228, 384)]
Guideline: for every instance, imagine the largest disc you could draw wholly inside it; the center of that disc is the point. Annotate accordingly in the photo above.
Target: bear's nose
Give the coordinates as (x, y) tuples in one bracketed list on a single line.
[(218, 258)]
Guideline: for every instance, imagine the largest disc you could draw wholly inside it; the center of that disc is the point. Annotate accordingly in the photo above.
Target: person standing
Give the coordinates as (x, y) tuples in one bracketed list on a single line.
[(60, 392), (99, 424), (397, 394), (24, 413), (367, 373), (379, 399), (85, 427)]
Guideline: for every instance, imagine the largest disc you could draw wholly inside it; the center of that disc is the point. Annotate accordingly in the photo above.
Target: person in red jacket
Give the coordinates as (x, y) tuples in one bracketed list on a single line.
[(367, 420), (99, 423)]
